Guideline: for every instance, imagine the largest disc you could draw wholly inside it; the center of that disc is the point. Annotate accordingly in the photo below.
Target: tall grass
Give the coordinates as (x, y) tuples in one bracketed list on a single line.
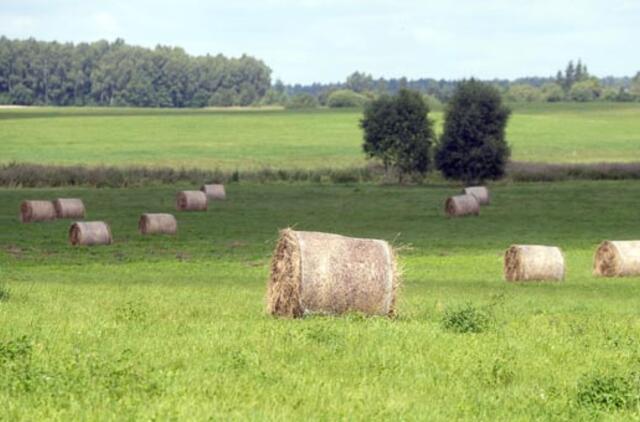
[(38, 175)]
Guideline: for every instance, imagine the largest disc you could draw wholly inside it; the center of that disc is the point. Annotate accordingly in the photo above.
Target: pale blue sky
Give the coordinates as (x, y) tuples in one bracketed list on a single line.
[(312, 40)]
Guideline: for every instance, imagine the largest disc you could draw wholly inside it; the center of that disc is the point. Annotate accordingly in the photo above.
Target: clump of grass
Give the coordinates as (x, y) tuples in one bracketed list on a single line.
[(5, 293), (131, 312), (37, 175), (467, 318), (609, 392), (543, 172)]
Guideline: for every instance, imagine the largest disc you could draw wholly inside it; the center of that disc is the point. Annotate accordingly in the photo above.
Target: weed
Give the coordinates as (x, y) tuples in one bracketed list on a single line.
[(466, 319), (609, 391)]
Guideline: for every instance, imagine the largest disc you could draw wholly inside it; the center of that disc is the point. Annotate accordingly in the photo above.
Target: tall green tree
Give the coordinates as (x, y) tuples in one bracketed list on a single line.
[(398, 131), (103, 73), (473, 146)]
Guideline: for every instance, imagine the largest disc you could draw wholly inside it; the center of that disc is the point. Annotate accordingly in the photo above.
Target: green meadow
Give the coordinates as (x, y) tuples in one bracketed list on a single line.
[(249, 140), (174, 327)]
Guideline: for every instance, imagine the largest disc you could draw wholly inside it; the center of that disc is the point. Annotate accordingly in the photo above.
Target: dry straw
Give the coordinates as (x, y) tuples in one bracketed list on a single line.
[(32, 211), (617, 259), (214, 192), (157, 224), (461, 205), (324, 273), (90, 233), (69, 208), (533, 262), (481, 193), (191, 200)]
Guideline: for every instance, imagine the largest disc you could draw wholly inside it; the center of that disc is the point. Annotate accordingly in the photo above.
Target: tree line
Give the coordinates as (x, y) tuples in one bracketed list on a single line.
[(575, 83), (117, 74)]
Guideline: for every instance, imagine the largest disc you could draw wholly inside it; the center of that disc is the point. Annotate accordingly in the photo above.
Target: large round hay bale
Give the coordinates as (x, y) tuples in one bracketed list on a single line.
[(31, 211), (325, 273), (214, 192), (617, 259), (191, 200), (481, 194), (157, 224), (90, 233), (69, 208), (533, 262), (461, 205)]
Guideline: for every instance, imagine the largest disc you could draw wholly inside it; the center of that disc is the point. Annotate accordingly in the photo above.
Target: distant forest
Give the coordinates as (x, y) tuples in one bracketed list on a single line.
[(117, 74), (106, 73)]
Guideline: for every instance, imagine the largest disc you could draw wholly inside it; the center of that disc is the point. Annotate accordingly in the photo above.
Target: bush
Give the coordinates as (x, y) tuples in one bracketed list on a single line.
[(398, 132), (552, 92), (473, 147), (587, 90), (344, 98), (302, 101), (609, 392), (523, 93), (466, 319)]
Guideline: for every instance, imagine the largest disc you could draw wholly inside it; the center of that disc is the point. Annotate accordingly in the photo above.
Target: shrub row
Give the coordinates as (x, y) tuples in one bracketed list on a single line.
[(37, 175)]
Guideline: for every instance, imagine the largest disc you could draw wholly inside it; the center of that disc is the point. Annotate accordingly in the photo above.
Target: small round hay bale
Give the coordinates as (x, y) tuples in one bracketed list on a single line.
[(461, 205), (157, 224), (31, 211), (533, 262), (480, 192), (214, 192), (191, 200), (322, 273), (616, 258), (90, 233), (69, 208)]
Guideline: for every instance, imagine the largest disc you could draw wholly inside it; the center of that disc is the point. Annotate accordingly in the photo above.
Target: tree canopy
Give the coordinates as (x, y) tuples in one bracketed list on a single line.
[(398, 131), (114, 73), (473, 147)]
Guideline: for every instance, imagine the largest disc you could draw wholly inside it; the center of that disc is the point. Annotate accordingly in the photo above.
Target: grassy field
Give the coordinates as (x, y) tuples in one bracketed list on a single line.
[(174, 328), (248, 140)]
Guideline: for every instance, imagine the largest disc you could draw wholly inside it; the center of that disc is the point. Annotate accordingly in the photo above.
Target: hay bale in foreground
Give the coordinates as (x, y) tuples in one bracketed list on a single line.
[(461, 205), (214, 192), (191, 200), (617, 258), (533, 262), (90, 233), (481, 194), (157, 224), (32, 211), (69, 208), (324, 273)]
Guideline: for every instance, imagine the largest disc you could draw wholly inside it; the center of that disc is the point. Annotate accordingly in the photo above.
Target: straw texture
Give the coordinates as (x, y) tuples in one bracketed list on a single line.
[(324, 273), (533, 262), (461, 205), (90, 233), (157, 224), (617, 259), (69, 208), (481, 194), (191, 200), (32, 211), (214, 192)]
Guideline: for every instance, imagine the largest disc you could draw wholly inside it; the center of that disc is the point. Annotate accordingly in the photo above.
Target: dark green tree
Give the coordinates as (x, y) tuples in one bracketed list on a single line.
[(397, 131), (473, 147)]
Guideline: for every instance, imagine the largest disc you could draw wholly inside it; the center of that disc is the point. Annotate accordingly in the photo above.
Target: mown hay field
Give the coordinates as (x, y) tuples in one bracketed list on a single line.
[(249, 140), (175, 327)]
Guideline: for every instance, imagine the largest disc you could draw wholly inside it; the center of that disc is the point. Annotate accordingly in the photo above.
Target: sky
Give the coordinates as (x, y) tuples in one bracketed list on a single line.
[(307, 41)]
